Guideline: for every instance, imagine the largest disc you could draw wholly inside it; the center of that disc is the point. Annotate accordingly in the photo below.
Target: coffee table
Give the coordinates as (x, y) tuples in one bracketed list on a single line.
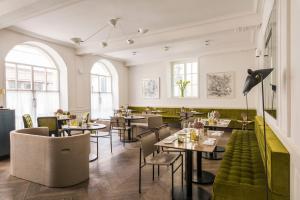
[(92, 127)]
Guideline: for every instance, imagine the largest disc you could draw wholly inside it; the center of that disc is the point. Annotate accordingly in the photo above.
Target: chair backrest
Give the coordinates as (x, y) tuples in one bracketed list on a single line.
[(164, 133), (41, 131), (155, 122), (147, 144), (186, 115), (86, 117), (27, 121), (50, 122), (117, 122)]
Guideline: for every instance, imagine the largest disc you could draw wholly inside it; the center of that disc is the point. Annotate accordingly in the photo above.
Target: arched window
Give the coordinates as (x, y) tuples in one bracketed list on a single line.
[(101, 92), (32, 82)]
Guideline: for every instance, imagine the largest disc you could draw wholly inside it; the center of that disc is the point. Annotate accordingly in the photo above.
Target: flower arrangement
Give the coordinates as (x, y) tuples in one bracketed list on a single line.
[(182, 85), (198, 125)]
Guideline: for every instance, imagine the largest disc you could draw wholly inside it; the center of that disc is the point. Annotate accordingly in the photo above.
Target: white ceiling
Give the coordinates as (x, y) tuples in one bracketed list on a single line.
[(183, 25)]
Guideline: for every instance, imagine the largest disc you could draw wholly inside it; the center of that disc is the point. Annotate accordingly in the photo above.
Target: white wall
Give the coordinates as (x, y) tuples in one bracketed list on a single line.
[(237, 62), (288, 73), (78, 68)]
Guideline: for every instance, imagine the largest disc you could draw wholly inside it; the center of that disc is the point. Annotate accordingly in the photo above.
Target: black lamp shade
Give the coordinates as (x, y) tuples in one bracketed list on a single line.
[(273, 87), (255, 77)]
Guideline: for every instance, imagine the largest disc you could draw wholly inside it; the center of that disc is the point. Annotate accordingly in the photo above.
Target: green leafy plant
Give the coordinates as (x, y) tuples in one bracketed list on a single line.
[(182, 85)]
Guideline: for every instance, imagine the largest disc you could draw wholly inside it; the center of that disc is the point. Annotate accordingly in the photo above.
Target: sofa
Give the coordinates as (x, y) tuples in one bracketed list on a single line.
[(242, 172), (49, 161), (171, 114)]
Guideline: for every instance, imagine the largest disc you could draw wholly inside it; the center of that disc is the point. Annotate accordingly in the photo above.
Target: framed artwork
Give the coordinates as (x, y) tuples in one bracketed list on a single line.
[(150, 88), (220, 85)]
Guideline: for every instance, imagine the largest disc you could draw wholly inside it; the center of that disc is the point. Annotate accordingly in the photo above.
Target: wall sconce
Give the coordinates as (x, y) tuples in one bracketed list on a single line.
[(2, 93), (257, 53)]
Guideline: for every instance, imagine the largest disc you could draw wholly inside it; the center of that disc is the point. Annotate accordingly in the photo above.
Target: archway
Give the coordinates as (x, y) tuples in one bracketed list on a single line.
[(36, 80), (104, 89)]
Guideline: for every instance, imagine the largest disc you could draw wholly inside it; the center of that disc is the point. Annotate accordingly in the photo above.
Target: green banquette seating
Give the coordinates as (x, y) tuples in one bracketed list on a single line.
[(242, 173), (171, 114)]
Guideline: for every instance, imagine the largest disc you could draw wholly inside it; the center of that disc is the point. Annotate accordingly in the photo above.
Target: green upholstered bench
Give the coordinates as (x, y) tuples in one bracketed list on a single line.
[(242, 176), (171, 114)]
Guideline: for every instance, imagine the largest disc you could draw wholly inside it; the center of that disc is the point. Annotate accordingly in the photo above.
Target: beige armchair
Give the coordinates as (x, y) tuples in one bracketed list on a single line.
[(50, 161), (151, 122)]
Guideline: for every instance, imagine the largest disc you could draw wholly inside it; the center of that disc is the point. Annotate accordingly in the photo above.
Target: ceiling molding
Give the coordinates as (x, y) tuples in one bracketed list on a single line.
[(193, 54), (30, 10), (40, 37)]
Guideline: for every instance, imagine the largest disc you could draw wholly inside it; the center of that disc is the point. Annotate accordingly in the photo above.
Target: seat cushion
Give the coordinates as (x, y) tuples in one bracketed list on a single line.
[(162, 159), (241, 174)]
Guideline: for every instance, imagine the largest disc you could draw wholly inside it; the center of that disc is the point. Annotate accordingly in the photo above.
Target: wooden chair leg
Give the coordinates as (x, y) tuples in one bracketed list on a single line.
[(124, 133), (140, 171), (172, 180), (110, 135), (181, 170)]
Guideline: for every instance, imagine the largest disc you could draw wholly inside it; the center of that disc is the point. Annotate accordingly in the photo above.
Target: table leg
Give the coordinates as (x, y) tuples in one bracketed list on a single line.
[(94, 157), (214, 155), (190, 191), (129, 139), (189, 173), (200, 176), (129, 130)]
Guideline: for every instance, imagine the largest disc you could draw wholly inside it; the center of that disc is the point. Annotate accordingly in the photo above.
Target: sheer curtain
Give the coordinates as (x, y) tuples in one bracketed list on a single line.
[(101, 92)]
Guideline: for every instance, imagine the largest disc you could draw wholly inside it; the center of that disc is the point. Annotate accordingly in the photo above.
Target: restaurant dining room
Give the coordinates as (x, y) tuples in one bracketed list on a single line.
[(137, 99)]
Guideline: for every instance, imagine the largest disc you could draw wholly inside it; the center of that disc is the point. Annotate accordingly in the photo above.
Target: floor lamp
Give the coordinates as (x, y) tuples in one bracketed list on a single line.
[(255, 77)]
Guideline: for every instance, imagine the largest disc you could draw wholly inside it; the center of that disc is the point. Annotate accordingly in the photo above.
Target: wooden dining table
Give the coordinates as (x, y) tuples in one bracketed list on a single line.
[(220, 124), (198, 176)]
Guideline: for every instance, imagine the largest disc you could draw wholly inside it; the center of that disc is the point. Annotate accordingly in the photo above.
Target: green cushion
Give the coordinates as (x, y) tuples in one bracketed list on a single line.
[(27, 121), (241, 174), (278, 159)]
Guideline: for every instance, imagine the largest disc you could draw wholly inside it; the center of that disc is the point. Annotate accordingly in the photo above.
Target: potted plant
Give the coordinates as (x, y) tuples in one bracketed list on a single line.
[(182, 85)]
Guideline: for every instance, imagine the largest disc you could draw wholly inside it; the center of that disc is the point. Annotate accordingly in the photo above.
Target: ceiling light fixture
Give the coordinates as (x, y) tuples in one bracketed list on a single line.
[(112, 24), (166, 48), (207, 42)]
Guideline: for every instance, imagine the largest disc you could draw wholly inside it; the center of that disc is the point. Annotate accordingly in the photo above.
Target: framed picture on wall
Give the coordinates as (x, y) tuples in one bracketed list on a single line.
[(220, 85), (150, 88)]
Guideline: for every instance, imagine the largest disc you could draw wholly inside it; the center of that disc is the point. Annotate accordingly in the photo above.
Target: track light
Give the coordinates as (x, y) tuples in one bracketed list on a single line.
[(142, 30), (104, 44), (130, 41), (77, 40)]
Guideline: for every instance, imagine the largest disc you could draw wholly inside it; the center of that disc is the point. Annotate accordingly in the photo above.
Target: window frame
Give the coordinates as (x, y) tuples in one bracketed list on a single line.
[(16, 64), (185, 62)]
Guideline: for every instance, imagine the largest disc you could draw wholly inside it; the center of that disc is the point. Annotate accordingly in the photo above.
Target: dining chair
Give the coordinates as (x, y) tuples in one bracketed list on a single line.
[(103, 133), (163, 133), (51, 123), (148, 151), (155, 122), (27, 120), (185, 115), (119, 124)]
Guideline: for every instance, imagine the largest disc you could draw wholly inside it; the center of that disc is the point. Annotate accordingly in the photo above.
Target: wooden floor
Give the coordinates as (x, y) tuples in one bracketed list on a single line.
[(113, 176)]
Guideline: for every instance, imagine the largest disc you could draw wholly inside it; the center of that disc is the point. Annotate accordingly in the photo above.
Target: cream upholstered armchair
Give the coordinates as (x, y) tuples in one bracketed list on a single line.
[(50, 161)]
